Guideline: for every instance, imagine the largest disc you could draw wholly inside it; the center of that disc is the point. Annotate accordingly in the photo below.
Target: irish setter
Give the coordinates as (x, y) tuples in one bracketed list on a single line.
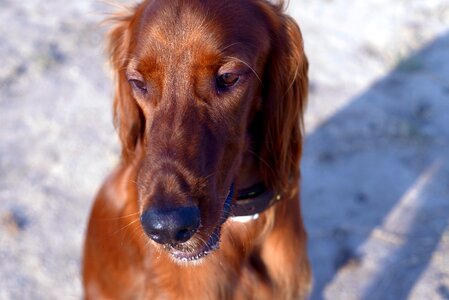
[(204, 204)]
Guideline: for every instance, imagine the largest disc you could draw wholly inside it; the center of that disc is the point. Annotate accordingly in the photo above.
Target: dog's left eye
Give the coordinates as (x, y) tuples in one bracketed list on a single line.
[(138, 85), (227, 80)]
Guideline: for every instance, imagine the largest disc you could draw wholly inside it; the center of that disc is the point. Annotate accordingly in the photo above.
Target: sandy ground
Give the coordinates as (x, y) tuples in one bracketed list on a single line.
[(375, 167)]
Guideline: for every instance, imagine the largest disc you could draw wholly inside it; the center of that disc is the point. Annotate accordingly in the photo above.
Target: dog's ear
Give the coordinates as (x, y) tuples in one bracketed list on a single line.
[(285, 93), (128, 117)]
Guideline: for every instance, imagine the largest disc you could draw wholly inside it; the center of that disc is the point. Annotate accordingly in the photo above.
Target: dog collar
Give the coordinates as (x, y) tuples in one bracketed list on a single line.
[(251, 201)]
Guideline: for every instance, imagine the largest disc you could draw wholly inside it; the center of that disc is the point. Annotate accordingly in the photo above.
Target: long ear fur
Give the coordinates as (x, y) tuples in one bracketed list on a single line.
[(128, 118), (285, 92)]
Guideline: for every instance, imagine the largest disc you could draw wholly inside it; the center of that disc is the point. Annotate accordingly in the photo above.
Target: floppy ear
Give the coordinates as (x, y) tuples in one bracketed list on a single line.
[(285, 92), (128, 117)]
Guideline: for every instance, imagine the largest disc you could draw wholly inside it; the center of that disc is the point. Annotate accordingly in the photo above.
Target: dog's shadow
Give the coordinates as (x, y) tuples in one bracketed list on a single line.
[(375, 183)]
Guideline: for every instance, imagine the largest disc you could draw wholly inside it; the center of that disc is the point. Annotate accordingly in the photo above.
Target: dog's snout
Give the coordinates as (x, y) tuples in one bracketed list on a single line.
[(174, 225)]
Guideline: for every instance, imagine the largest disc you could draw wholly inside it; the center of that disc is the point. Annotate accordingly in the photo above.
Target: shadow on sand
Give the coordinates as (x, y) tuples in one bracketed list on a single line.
[(361, 170)]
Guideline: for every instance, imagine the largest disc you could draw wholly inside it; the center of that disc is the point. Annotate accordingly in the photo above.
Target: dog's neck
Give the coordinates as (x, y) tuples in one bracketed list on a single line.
[(252, 195), (249, 173)]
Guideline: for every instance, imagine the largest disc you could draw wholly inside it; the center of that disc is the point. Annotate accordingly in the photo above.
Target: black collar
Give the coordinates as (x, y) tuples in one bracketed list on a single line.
[(253, 200)]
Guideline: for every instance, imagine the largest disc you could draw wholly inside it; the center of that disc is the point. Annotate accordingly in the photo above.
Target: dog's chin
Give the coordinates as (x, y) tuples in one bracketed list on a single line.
[(195, 250)]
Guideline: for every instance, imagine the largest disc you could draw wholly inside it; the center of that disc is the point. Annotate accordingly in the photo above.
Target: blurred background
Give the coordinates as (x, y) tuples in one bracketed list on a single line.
[(375, 189)]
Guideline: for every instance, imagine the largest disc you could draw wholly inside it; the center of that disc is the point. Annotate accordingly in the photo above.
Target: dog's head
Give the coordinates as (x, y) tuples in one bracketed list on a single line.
[(199, 85)]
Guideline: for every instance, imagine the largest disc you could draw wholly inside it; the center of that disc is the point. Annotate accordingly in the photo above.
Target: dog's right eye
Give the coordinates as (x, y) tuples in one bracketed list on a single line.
[(138, 85), (227, 80)]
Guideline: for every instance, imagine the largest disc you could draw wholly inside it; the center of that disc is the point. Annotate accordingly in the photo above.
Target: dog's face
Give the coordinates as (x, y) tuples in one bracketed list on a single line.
[(195, 74)]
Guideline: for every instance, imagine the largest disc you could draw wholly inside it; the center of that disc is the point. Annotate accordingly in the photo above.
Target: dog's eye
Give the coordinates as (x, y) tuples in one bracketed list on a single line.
[(138, 85), (227, 80)]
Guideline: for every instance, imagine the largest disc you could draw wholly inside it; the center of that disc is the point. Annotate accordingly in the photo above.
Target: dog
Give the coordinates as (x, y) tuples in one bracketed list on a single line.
[(204, 204)]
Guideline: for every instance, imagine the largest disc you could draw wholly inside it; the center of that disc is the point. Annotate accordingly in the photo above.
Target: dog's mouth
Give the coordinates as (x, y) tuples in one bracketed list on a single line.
[(187, 252), (190, 250)]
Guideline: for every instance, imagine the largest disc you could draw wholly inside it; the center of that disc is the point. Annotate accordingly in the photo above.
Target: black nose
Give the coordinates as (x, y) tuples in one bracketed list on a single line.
[(175, 225)]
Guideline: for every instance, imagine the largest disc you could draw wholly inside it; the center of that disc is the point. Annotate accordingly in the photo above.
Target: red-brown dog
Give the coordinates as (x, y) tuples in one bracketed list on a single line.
[(209, 103)]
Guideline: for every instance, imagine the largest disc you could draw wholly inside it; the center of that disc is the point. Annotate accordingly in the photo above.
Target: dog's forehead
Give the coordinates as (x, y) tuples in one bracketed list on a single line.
[(172, 26), (205, 26)]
